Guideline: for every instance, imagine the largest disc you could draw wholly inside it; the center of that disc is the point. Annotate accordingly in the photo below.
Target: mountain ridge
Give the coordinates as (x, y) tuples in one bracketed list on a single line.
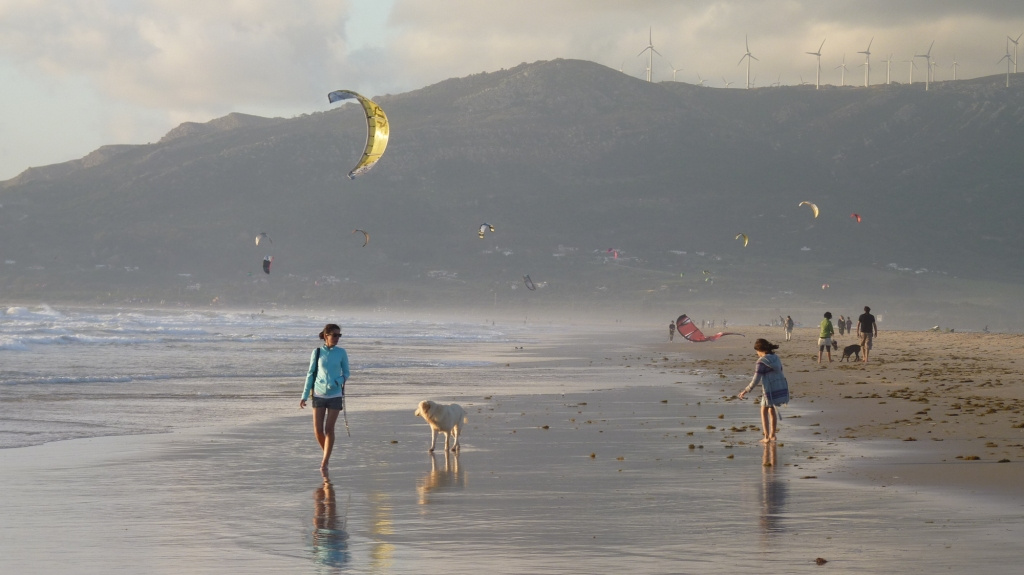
[(558, 155)]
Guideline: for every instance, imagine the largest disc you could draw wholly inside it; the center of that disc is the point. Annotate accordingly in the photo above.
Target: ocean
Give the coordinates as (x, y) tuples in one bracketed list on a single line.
[(69, 373)]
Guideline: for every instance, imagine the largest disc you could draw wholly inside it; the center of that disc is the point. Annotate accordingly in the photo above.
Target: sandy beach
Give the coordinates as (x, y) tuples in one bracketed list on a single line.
[(602, 450), (930, 408)]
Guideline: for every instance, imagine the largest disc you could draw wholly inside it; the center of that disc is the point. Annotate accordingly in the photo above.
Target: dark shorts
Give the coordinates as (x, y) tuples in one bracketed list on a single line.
[(329, 402)]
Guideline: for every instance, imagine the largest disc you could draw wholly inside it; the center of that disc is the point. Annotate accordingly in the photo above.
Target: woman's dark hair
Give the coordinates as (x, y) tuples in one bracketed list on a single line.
[(329, 327), (764, 345), (828, 315)]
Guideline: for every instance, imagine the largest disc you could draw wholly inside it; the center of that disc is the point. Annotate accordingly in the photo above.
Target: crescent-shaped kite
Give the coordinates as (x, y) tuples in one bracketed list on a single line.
[(814, 208), (685, 328), (856, 217), (366, 236), (484, 228), (746, 240), (266, 264), (377, 130), (263, 237), (529, 283)]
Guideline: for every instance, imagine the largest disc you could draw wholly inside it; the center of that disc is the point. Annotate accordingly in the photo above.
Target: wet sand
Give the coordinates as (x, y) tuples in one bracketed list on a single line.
[(590, 456)]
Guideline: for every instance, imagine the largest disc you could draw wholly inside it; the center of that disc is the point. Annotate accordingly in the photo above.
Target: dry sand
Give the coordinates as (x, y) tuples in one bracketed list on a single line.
[(930, 408)]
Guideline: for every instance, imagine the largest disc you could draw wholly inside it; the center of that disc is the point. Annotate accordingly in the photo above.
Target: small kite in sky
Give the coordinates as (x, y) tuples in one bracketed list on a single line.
[(814, 208), (484, 228), (746, 240), (366, 236)]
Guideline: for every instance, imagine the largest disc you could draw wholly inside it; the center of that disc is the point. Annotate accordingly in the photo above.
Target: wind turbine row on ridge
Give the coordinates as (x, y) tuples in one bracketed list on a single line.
[(930, 64)]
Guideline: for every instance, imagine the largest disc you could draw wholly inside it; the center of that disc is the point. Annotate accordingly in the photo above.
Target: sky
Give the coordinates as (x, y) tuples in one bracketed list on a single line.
[(79, 74)]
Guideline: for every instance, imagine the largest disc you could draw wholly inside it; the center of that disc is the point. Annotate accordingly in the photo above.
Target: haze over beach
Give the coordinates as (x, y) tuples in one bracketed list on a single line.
[(561, 180)]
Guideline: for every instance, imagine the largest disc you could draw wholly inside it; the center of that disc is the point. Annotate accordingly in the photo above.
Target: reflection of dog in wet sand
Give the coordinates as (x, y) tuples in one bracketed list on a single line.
[(447, 419), (449, 478), (850, 350)]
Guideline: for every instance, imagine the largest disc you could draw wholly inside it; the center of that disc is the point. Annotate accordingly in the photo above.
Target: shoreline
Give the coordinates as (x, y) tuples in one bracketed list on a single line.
[(931, 409)]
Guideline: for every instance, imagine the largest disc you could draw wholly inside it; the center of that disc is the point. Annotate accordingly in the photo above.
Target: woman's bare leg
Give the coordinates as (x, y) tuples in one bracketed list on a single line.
[(328, 431), (318, 425), (774, 420)]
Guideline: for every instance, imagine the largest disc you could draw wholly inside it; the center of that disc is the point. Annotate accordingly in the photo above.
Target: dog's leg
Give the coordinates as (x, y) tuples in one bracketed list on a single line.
[(447, 435), (455, 432), (433, 438)]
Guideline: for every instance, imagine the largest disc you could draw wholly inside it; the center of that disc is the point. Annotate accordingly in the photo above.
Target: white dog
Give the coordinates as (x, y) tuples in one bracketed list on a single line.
[(444, 418)]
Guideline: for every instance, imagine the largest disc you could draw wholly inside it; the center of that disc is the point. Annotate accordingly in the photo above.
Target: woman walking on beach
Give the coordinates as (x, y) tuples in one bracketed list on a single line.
[(328, 372), (768, 373)]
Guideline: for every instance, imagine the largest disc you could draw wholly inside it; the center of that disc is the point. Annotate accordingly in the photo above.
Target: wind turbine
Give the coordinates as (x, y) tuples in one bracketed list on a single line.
[(867, 63), (817, 77), (1015, 43), (674, 70), (650, 46), (954, 67), (888, 66), (934, 65), (727, 83), (702, 80), (777, 82), (1008, 60), (748, 56), (928, 64), (802, 83), (843, 66), (912, 66)]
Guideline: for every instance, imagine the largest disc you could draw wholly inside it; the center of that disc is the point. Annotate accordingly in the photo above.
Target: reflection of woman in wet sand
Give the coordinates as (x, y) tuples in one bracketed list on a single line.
[(773, 492), (768, 374), (330, 540)]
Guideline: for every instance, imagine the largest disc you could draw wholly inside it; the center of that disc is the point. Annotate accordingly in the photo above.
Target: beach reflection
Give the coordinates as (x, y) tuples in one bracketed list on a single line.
[(438, 479), (773, 493), (330, 539), (382, 525)]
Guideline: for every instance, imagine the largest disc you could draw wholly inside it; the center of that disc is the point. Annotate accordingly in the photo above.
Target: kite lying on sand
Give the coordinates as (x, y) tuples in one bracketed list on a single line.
[(685, 328)]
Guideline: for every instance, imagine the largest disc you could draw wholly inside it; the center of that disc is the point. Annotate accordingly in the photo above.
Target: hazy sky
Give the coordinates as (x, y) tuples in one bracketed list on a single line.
[(78, 74)]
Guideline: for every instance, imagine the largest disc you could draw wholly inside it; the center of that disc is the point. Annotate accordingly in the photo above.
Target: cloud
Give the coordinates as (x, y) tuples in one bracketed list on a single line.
[(146, 65)]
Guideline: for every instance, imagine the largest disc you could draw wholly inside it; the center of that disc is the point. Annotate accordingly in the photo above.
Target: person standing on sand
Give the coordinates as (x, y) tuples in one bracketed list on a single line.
[(768, 373), (867, 327), (671, 330), (328, 372), (842, 325), (825, 337), (789, 328)]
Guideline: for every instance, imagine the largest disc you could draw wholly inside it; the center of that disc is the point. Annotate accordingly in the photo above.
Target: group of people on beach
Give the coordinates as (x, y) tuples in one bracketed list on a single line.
[(867, 330)]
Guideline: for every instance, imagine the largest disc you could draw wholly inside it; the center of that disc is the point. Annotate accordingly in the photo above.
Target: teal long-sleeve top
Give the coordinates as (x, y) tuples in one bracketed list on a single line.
[(327, 376)]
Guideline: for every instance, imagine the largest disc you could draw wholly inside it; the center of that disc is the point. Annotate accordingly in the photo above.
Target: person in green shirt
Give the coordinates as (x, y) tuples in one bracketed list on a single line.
[(825, 337)]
